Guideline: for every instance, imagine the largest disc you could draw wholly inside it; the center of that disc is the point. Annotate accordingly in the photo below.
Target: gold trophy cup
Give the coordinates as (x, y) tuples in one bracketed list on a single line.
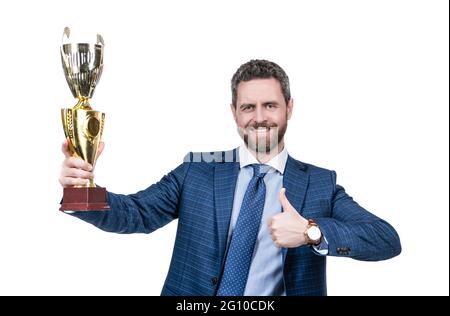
[(83, 65)]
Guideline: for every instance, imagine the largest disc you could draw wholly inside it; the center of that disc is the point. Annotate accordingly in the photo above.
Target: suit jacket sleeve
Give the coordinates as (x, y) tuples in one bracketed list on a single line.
[(144, 211), (354, 232)]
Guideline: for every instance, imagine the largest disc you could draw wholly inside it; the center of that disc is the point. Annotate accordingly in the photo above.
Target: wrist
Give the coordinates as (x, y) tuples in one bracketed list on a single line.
[(313, 234)]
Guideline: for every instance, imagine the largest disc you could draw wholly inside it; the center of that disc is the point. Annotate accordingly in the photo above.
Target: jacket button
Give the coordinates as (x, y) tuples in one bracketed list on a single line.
[(214, 280)]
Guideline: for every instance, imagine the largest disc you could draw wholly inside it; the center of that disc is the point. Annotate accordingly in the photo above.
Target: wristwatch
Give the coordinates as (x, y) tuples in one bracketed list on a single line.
[(313, 234)]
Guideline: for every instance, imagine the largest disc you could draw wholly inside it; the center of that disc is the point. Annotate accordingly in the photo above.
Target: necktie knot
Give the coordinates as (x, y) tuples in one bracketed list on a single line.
[(259, 170)]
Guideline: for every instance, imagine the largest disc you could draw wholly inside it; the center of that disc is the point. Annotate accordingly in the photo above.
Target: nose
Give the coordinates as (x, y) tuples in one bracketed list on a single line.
[(259, 114)]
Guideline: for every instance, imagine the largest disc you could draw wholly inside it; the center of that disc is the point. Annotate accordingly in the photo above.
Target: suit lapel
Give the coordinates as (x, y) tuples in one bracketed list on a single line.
[(295, 180), (225, 177)]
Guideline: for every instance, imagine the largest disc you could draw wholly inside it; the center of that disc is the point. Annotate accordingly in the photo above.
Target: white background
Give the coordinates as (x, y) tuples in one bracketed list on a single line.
[(370, 84)]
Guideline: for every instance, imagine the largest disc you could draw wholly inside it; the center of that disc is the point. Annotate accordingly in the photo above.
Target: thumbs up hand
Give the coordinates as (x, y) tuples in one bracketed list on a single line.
[(287, 228)]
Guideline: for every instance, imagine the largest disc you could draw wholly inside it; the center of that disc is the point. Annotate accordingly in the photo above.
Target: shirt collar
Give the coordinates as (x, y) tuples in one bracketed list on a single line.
[(278, 162)]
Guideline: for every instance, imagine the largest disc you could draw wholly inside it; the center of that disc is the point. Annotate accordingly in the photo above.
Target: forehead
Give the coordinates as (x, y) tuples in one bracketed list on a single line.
[(259, 90)]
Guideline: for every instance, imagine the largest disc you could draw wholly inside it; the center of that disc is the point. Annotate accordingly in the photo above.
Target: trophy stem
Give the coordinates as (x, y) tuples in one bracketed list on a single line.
[(82, 104)]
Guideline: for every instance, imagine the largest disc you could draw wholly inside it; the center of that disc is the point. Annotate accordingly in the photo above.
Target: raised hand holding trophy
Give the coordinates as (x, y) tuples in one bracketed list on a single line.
[(83, 65)]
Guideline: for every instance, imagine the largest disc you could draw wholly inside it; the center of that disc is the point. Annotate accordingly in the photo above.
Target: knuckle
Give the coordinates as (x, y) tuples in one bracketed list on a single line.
[(68, 172), (63, 180), (66, 162), (71, 162)]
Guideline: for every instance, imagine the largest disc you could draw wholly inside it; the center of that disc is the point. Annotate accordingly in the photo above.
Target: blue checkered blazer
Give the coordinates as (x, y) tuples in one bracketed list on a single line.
[(199, 193)]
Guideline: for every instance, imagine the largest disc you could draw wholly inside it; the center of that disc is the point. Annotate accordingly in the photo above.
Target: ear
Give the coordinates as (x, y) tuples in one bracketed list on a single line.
[(290, 106), (233, 111)]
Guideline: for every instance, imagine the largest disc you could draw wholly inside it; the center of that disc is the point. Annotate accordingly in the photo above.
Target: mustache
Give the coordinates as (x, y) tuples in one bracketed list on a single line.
[(256, 125)]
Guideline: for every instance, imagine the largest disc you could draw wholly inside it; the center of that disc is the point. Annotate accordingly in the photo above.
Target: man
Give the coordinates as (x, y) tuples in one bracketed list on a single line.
[(251, 221)]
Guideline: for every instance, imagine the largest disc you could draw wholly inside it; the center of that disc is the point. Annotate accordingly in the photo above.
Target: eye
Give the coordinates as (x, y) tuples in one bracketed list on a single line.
[(270, 105), (247, 107)]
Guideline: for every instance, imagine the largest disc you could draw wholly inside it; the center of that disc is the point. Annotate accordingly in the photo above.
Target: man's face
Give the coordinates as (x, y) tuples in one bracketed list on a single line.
[(261, 114)]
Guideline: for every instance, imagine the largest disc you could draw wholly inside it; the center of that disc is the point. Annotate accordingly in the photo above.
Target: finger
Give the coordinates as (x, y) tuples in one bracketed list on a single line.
[(75, 162), (273, 238), (65, 148), (101, 146), (77, 173), (287, 206), (70, 182), (270, 222)]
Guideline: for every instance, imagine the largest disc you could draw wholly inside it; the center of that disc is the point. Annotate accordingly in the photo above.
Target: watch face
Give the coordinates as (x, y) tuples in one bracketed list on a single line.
[(314, 233)]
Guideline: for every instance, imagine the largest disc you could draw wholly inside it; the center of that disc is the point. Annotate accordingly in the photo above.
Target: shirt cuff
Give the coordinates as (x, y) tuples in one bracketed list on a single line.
[(322, 248)]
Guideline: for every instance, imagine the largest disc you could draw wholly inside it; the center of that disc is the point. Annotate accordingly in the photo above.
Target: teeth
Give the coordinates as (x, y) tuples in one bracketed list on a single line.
[(259, 129)]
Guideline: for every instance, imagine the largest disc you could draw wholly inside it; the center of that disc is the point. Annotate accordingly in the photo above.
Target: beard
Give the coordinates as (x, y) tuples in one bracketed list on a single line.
[(263, 137)]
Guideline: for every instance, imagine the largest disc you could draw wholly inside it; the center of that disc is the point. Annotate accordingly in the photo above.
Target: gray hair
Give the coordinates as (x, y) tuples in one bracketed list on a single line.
[(260, 69)]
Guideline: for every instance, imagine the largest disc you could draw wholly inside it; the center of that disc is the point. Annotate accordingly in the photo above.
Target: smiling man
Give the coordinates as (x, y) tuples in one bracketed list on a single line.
[(253, 220)]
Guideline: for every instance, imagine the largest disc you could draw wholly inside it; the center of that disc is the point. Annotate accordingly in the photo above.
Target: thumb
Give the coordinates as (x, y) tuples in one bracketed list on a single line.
[(65, 148), (285, 204)]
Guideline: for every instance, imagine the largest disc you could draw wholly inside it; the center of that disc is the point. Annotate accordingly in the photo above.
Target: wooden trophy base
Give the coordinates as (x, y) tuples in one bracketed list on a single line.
[(84, 199)]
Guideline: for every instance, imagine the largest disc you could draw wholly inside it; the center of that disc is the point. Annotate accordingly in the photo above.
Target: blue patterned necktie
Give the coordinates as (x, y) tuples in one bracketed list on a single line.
[(242, 244)]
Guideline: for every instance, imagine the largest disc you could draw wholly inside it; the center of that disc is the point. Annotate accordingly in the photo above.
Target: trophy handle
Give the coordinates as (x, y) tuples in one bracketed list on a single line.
[(66, 36), (64, 40), (100, 40)]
